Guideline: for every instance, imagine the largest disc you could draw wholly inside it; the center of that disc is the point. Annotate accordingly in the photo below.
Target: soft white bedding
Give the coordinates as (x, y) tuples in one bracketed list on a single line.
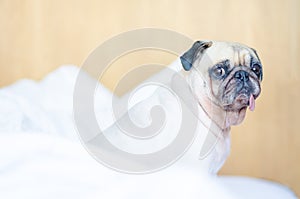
[(41, 156)]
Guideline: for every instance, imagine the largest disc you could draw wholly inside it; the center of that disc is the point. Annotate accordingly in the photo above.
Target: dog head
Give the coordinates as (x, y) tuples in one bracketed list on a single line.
[(224, 75)]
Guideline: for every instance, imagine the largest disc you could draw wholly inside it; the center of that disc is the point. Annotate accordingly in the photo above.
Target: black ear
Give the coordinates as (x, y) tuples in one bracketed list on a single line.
[(188, 57), (255, 53), (261, 76)]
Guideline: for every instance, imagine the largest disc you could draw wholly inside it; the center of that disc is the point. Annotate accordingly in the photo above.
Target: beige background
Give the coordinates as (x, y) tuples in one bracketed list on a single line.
[(38, 36)]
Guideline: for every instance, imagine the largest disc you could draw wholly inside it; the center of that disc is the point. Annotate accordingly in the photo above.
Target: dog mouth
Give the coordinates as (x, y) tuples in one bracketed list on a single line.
[(239, 94), (241, 100), (245, 100)]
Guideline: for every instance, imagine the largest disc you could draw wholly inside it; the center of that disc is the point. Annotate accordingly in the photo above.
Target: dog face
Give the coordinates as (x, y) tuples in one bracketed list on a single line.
[(227, 74)]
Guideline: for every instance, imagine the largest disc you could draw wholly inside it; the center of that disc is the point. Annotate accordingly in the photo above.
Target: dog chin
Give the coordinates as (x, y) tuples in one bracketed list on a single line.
[(236, 117), (236, 111)]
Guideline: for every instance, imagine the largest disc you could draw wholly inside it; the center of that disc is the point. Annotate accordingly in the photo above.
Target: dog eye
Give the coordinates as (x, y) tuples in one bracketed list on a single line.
[(219, 71), (256, 69)]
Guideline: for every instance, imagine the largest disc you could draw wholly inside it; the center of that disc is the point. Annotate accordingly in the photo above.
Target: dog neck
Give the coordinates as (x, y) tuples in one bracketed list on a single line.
[(223, 119), (212, 141), (216, 116)]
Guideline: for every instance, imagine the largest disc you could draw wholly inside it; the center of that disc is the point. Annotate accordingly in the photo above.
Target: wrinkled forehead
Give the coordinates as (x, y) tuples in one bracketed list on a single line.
[(237, 54)]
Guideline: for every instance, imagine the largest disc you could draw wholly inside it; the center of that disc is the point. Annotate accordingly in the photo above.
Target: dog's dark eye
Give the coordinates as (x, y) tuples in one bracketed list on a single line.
[(219, 71), (256, 69)]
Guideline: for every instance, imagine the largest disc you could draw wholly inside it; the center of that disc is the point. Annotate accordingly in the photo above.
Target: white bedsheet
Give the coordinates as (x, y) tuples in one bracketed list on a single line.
[(41, 156)]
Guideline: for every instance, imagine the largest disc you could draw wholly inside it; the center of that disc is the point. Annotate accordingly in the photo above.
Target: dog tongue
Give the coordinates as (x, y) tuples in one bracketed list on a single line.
[(251, 103)]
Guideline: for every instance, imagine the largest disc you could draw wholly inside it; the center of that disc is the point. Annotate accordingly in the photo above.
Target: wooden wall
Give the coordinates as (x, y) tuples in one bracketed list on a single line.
[(38, 36)]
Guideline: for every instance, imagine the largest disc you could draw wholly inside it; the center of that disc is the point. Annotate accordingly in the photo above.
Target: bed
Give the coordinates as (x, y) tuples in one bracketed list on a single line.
[(41, 155)]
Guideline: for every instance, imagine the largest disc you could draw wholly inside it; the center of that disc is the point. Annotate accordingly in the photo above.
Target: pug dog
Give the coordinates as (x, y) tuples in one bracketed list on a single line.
[(225, 79), (222, 78)]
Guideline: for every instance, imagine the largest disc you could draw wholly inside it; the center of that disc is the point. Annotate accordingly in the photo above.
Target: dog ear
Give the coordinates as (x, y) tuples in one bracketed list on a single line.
[(254, 51), (188, 57)]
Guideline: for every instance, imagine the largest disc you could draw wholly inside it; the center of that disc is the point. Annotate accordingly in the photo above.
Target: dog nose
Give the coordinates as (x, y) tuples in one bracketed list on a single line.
[(242, 75)]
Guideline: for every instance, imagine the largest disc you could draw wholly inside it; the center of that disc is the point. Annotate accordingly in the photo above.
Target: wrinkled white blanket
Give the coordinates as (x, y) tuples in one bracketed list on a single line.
[(41, 156)]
